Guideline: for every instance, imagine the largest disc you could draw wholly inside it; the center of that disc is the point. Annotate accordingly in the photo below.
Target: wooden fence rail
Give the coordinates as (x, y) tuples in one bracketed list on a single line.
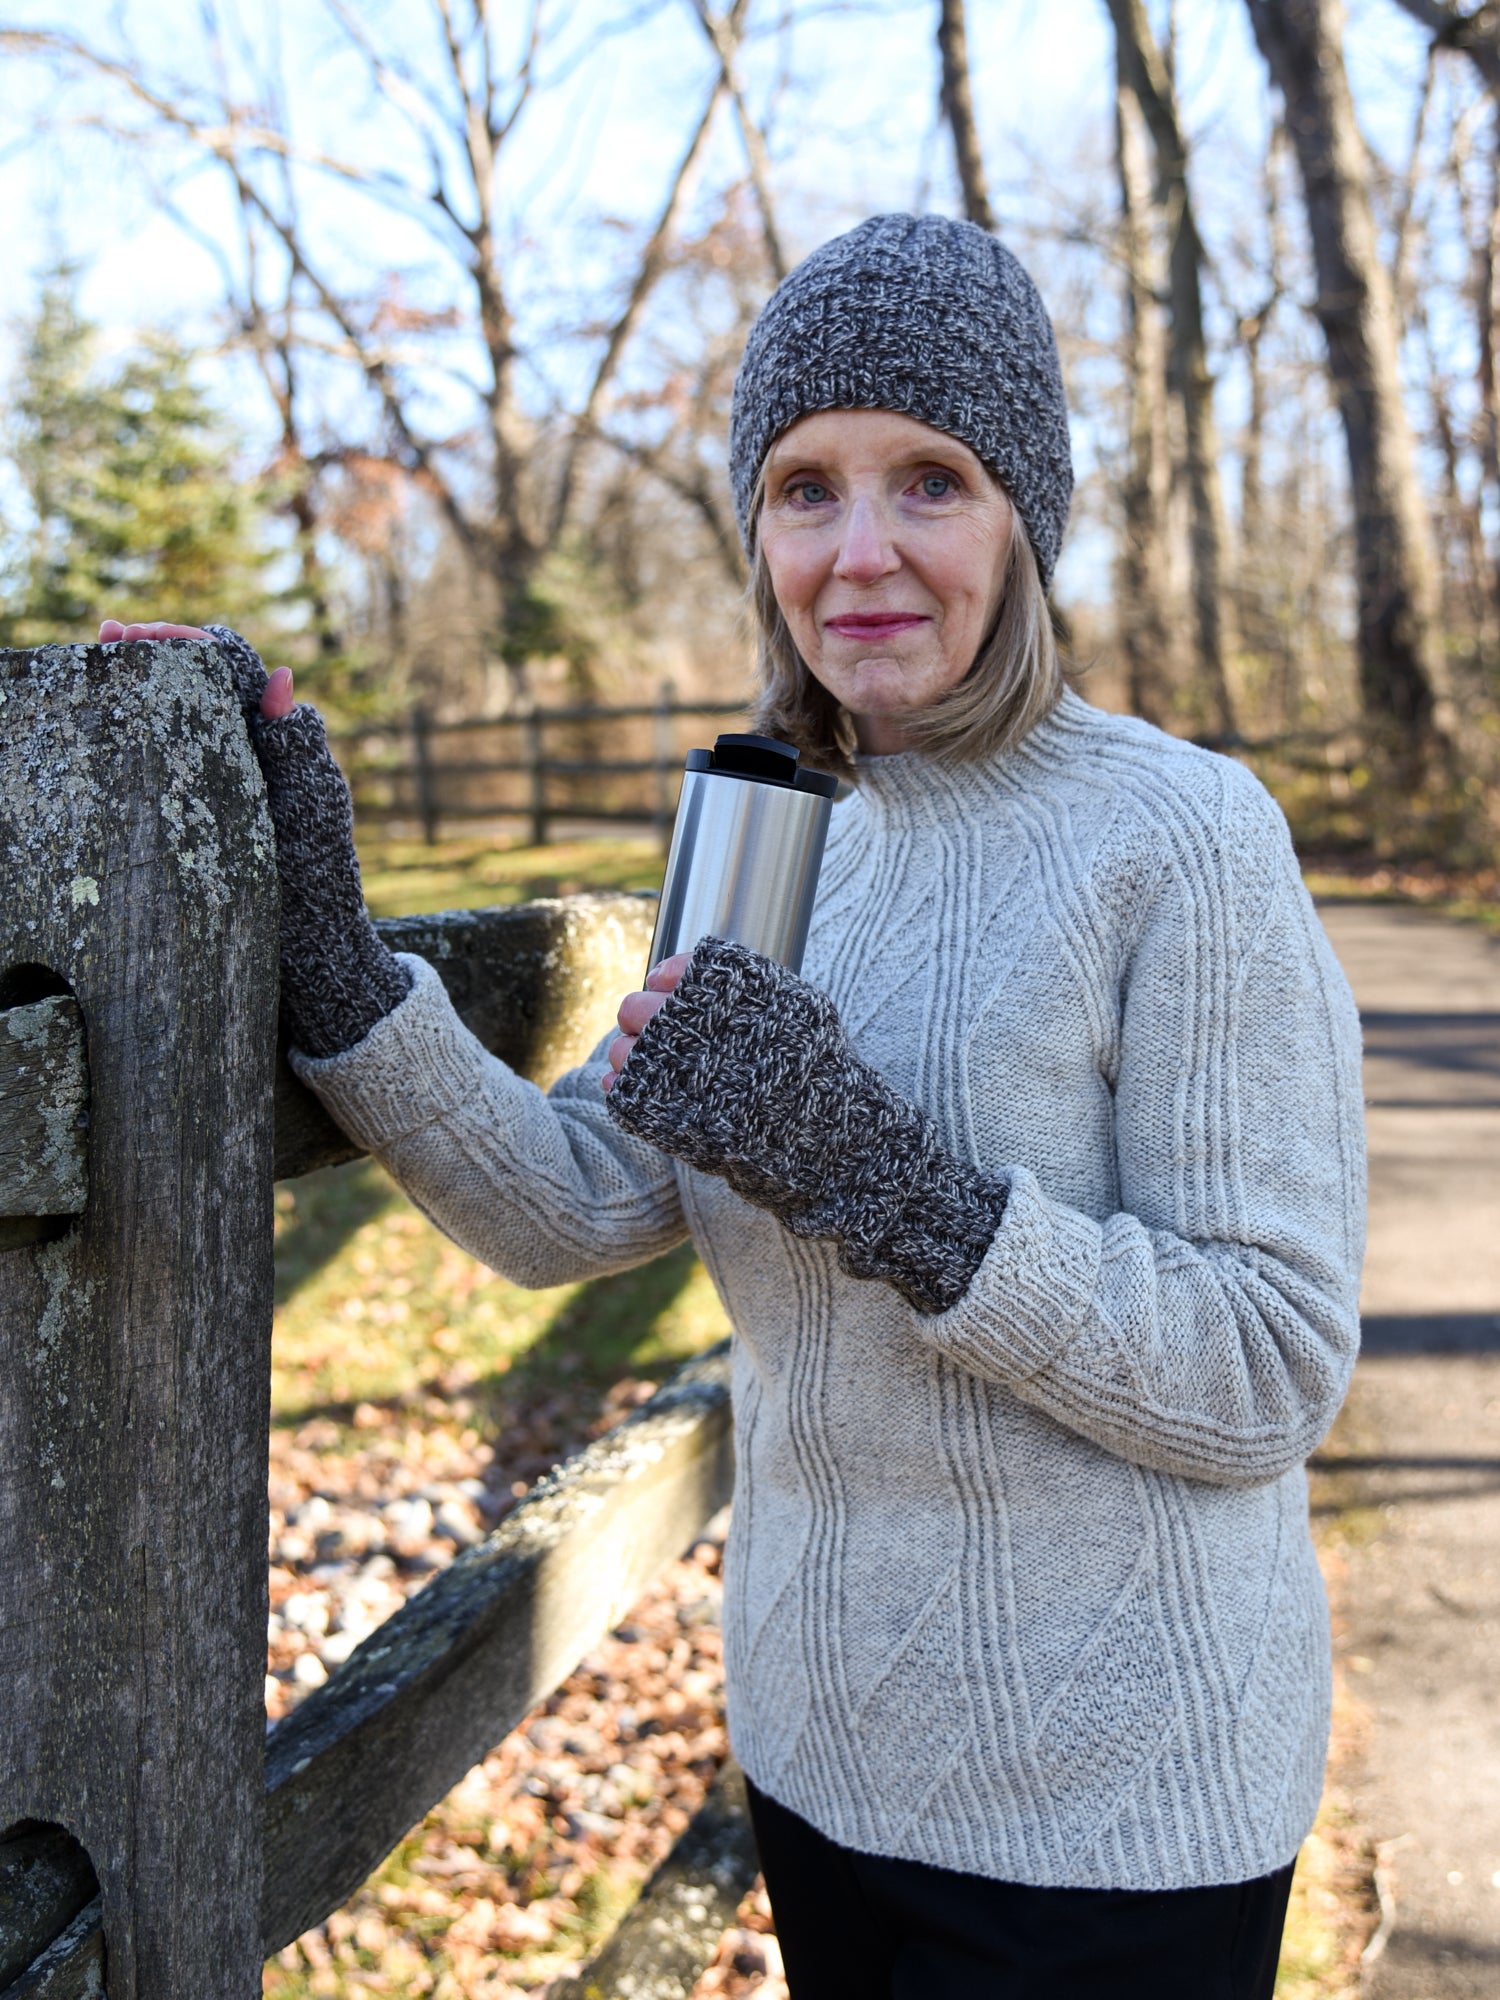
[(150, 1834), (398, 774), (546, 764)]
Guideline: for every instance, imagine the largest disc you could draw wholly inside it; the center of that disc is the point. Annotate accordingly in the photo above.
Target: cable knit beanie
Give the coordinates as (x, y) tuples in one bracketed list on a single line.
[(933, 319)]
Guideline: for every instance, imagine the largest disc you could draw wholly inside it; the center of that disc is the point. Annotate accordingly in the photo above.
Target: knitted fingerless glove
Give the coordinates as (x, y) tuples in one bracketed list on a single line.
[(337, 978), (746, 1072)]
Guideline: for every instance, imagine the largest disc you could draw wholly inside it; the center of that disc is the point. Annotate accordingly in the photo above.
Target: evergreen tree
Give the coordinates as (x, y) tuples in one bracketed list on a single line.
[(132, 505)]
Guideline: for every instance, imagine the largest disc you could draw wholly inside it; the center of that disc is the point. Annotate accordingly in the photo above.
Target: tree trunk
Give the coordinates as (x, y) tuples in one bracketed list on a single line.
[(1395, 577), (1145, 630), (1141, 62), (958, 108)]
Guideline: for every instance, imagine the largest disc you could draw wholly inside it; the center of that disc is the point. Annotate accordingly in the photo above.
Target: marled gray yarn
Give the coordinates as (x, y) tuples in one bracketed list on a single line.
[(337, 978), (929, 317), (745, 1072)]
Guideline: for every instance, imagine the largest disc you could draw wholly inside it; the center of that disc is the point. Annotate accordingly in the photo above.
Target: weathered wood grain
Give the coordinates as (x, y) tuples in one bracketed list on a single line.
[(538, 985), (135, 1346), (668, 1937), (447, 1676), (43, 1109), (452, 1672), (71, 1967)]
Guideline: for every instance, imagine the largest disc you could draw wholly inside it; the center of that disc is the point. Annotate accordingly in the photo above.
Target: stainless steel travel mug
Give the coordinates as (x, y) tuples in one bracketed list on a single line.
[(747, 845)]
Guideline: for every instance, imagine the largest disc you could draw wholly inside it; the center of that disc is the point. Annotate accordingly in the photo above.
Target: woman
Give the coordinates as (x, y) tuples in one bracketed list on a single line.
[(1036, 1205)]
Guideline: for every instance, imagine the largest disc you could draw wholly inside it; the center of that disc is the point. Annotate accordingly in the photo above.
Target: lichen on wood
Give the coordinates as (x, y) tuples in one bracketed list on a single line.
[(71, 1967), (139, 871), (45, 1880), (43, 1109)]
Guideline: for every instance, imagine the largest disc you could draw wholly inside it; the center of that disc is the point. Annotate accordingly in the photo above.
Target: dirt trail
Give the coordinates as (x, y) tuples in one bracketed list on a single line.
[(1420, 1447)]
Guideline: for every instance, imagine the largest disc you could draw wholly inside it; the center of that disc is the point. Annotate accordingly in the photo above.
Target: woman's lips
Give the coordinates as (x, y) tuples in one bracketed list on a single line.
[(874, 624)]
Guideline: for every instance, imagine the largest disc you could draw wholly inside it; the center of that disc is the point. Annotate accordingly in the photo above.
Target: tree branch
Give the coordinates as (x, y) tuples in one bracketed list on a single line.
[(724, 32), (652, 263), (958, 107)]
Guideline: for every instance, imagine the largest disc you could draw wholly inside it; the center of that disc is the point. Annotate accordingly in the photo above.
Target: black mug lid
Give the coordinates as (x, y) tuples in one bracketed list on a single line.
[(765, 759)]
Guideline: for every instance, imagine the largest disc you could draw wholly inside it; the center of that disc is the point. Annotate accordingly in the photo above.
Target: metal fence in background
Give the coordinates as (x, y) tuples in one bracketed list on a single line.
[(539, 765)]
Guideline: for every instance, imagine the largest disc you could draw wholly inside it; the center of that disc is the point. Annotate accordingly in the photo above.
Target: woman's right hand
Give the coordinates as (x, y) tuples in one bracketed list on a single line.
[(636, 1010), (277, 698)]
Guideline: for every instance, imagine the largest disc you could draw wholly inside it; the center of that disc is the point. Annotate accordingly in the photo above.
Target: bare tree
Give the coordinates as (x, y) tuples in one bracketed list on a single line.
[(958, 108), (1395, 578), (1475, 34), (1143, 622), (505, 483), (1147, 73), (724, 32)]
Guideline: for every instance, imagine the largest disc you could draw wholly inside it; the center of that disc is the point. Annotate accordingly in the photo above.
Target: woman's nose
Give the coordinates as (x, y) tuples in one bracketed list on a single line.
[(866, 549)]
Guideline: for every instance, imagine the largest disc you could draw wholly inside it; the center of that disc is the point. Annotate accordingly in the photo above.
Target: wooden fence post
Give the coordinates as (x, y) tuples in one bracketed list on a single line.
[(533, 724), (663, 760), (139, 875), (421, 741)]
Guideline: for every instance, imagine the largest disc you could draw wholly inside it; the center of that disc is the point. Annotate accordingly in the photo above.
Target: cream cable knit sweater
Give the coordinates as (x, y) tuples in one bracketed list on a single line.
[(1024, 1588)]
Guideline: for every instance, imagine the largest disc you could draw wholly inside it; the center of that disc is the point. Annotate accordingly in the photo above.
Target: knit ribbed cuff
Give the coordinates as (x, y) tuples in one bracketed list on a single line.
[(415, 1065), (1035, 1287)]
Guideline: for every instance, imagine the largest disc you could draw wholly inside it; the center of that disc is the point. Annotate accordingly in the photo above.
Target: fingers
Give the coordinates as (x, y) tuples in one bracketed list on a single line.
[(619, 1055), (636, 1010), (278, 699), (665, 978), (112, 631)]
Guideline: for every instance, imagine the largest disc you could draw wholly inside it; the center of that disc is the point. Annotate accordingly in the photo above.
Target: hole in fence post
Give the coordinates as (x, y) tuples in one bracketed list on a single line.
[(46, 1878), (24, 985), (40, 1136)]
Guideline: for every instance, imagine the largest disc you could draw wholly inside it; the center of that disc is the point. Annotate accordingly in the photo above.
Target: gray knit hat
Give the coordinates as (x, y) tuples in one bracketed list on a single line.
[(933, 319)]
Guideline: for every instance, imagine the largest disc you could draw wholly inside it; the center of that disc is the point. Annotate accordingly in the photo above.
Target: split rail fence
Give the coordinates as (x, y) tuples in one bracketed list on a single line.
[(540, 765), (622, 765), (155, 1843)]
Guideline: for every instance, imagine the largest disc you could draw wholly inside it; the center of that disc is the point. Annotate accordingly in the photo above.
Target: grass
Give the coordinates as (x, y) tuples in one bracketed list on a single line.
[(1470, 895), (376, 1311), (376, 1306), (406, 878)]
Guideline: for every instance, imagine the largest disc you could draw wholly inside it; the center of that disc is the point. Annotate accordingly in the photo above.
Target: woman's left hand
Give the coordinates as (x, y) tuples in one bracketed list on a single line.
[(636, 1010)]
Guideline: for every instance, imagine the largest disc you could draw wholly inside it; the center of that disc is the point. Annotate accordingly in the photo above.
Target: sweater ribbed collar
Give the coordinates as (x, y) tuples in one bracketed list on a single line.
[(909, 785)]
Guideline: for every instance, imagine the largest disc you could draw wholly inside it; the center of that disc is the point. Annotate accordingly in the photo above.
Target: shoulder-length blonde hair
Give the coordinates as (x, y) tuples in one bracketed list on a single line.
[(1015, 682)]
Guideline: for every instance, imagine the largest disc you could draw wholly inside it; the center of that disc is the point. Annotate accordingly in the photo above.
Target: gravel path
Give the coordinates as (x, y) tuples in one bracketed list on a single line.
[(1418, 1450)]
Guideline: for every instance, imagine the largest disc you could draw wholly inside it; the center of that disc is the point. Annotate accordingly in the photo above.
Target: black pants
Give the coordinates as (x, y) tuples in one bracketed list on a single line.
[(857, 1927)]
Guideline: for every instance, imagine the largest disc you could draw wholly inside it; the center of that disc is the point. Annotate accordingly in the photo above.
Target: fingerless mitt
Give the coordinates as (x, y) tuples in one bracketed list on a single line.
[(745, 1072), (337, 978)]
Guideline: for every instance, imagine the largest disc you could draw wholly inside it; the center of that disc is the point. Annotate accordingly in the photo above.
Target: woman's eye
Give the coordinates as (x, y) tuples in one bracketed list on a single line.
[(809, 492), (937, 485)]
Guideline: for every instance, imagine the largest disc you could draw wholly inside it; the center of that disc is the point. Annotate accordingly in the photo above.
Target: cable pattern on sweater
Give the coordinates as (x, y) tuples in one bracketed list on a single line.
[(1063, 1522)]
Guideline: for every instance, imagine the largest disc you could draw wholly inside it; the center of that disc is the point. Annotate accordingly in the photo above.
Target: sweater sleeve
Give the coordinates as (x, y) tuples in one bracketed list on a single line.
[(540, 1186), (1209, 1327)]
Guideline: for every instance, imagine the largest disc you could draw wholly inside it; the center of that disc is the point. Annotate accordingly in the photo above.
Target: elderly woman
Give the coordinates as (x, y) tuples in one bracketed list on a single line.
[(1036, 1205)]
